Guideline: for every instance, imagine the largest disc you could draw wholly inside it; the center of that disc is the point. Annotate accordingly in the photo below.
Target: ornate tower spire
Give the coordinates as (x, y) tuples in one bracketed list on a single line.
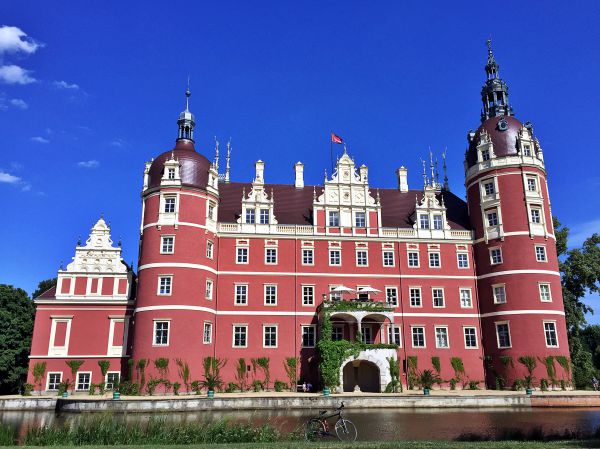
[(494, 92), (227, 159), (186, 120)]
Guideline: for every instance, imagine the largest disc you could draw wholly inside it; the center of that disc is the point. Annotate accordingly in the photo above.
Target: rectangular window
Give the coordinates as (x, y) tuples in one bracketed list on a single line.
[(271, 256), (167, 244), (499, 294), (470, 337), (250, 216), (207, 334), (171, 173), (170, 205), (503, 335), (308, 257), (434, 260), (465, 298), (360, 220), (83, 381), (492, 218), (209, 289), (362, 259), (388, 258), (418, 337), (536, 216), (540, 253), (264, 216), (308, 336), (531, 184), (545, 295), (308, 295), (337, 333), (488, 188), (550, 333), (270, 295), (161, 333), (413, 259), (438, 297), (334, 218), (391, 295), (112, 380), (54, 379), (415, 297), (242, 255), (437, 222), (165, 284), (209, 249), (367, 334), (424, 221), (240, 336), (463, 260), (211, 210), (495, 256), (270, 336), (441, 337), (335, 257), (241, 294), (394, 335), (485, 155)]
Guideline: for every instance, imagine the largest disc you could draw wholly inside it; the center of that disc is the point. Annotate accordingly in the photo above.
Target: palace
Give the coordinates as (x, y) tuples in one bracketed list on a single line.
[(252, 270)]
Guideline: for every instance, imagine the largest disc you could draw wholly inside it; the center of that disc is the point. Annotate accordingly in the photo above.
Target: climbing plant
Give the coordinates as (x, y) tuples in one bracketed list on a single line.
[(413, 374), (395, 385)]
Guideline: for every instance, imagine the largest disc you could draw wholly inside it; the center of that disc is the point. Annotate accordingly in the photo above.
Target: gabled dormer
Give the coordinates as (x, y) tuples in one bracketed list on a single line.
[(429, 217), (171, 176), (258, 205)]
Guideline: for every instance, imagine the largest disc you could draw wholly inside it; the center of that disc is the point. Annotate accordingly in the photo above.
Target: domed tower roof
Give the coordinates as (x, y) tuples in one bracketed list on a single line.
[(194, 167)]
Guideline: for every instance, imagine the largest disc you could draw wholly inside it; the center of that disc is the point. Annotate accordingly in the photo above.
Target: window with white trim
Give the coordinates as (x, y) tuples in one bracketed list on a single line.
[(415, 296), (308, 257), (463, 260), (167, 244), (271, 256), (413, 259), (532, 184), (466, 302), (170, 204), (334, 218), (362, 258), (209, 249), (545, 294), (550, 334), (242, 255), (437, 222), (526, 150), (269, 336), (270, 295), (418, 336), (394, 335), (434, 260), (495, 256), (388, 259), (485, 155), (470, 334), (112, 380), (391, 295), (335, 257), (360, 220), (54, 379), (441, 337), (211, 210), (438, 297), (424, 221), (308, 336), (209, 289), (540, 253), (250, 216), (491, 216), (535, 214), (264, 216), (240, 336), (171, 173), (308, 295), (503, 335), (488, 187), (83, 381), (165, 285), (241, 294), (499, 292), (207, 333), (161, 333)]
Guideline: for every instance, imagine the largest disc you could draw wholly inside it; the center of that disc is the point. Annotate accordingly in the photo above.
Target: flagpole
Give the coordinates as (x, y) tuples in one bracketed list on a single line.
[(331, 149)]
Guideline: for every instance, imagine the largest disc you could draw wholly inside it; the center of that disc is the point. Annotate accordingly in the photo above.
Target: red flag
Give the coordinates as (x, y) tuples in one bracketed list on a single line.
[(336, 139)]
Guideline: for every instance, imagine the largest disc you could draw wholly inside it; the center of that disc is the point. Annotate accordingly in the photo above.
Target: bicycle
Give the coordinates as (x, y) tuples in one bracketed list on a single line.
[(318, 427)]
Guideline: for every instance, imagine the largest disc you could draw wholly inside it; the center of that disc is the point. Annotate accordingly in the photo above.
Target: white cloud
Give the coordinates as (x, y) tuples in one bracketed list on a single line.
[(18, 103), (13, 74), (64, 85), (8, 178), (26, 187), (88, 164), (14, 40), (117, 143), (39, 139), (582, 231)]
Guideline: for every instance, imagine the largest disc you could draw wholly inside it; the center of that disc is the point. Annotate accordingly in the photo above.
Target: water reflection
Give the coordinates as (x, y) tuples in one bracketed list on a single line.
[(372, 424)]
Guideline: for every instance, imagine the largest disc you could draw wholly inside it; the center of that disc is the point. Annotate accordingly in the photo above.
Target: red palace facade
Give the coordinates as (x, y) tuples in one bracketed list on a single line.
[(244, 270)]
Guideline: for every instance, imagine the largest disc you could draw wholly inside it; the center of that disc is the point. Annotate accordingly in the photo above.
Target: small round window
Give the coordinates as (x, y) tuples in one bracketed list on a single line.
[(502, 125)]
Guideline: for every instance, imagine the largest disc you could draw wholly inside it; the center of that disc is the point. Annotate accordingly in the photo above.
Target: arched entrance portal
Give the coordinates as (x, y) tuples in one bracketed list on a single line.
[(362, 373)]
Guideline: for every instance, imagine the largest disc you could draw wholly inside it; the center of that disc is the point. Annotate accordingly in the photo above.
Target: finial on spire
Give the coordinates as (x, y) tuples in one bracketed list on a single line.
[(79, 240), (424, 173), (186, 121), (437, 173), (227, 158), (494, 93), (446, 185), (188, 93), (216, 163), (431, 166)]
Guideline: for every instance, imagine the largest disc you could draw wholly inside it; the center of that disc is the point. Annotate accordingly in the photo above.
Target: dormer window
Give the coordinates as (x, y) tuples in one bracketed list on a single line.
[(424, 221), (171, 173), (526, 150), (437, 222), (170, 205), (250, 216), (360, 220), (485, 155), (334, 218), (264, 216)]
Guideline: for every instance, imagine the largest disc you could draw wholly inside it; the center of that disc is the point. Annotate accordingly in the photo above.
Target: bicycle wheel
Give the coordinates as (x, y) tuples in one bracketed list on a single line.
[(313, 429), (345, 430)]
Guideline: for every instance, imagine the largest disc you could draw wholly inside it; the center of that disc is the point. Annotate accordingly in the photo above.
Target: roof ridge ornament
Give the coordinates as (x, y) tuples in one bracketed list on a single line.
[(494, 93), (186, 121)]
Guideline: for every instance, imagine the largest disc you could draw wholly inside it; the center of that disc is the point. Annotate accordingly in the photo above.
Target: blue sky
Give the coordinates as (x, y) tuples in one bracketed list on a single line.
[(92, 90)]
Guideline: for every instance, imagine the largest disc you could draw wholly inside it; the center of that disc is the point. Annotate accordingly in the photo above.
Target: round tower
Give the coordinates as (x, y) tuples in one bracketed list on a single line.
[(175, 306), (521, 306)]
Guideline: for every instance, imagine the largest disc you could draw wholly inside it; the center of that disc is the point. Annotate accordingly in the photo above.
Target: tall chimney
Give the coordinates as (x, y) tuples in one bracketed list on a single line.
[(402, 179), (299, 169)]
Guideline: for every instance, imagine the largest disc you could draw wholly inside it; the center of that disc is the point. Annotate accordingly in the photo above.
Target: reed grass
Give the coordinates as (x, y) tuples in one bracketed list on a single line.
[(7, 435)]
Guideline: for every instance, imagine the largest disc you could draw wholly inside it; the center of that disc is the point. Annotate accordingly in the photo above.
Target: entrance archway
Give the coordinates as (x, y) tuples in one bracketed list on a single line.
[(362, 373)]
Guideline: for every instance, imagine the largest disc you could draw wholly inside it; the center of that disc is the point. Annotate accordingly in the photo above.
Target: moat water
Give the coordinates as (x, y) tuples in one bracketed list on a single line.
[(373, 424)]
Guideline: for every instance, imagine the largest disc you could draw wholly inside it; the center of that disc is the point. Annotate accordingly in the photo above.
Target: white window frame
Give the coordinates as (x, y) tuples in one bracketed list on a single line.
[(265, 326), (265, 288), (107, 384), (162, 244), (236, 302), (364, 219), (314, 333), (393, 332), (494, 287), (383, 259), (271, 250), (60, 374), (412, 336), (154, 326), (210, 248), (329, 218), (544, 253), (77, 384), (312, 295), (499, 323), (250, 212), (165, 198), (310, 251), (538, 210), (462, 253), (439, 258), (241, 326), (239, 251), (210, 210), (209, 290), (366, 257), (168, 285), (395, 290), (418, 265), (331, 250), (54, 350), (536, 183), (460, 297), (438, 289), (553, 323), (261, 216), (437, 219), (545, 284), (496, 217), (465, 337), (420, 297), (491, 250), (207, 341), (436, 328)]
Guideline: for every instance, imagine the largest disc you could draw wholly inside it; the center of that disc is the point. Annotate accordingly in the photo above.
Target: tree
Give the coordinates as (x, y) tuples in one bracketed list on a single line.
[(16, 314), (43, 286)]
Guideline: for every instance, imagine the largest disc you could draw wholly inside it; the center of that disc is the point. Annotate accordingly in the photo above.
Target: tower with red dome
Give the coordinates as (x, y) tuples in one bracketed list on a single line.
[(518, 279)]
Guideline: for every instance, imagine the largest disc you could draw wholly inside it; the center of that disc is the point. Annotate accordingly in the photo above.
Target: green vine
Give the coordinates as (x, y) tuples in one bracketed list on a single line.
[(413, 373), (356, 306)]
